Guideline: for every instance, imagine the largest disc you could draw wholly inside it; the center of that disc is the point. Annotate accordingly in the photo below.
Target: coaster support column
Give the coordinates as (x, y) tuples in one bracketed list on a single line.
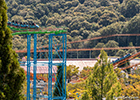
[(28, 66), (55, 45), (35, 67)]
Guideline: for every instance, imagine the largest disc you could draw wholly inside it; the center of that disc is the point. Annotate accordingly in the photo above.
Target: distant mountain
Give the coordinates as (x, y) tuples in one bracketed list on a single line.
[(82, 18)]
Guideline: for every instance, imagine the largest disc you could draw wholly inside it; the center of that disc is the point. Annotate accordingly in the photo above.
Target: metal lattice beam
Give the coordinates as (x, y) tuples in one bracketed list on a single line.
[(62, 58)]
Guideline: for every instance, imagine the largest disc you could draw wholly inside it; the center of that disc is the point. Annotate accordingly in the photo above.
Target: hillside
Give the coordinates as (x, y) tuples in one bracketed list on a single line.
[(82, 18)]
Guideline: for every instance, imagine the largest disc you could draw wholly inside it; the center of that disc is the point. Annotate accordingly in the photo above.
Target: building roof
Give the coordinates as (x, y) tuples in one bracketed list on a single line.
[(42, 65), (82, 63), (41, 69)]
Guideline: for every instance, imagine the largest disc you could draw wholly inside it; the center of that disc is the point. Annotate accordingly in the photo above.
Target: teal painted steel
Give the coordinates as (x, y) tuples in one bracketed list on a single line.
[(65, 59), (60, 86), (28, 66), (50, 69), (35, 65)]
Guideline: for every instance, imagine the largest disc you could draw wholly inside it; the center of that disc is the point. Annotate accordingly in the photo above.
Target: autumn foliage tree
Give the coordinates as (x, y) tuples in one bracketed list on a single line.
[(72, 70), (11, 75), (103, 80), (130, 83)]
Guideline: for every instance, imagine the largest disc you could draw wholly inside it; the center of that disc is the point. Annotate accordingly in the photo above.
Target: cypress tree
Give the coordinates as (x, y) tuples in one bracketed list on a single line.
[(58, 85), (103, 83), (11, 75)]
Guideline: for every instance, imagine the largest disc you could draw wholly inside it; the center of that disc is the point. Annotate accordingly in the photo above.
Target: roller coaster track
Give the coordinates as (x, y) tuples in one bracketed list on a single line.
[(119, 63), (86, 49), (96, 38), (19, 31), (101, 37), (124, 68), (93, 49)]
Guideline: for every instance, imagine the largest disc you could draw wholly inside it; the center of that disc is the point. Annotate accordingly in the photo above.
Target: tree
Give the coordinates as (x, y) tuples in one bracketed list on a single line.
[(58, 91), (85, 96), (129, 83), (111, 44), (105, 3), (114, 28), (76, 89), (85, 72), (107, 18), (132, 26), (71, 71), (103, 80), (121, 53), (132, 51), (125, 65), (11, 75), (121, 1), (130, 8), (81, 1), (99, 45)]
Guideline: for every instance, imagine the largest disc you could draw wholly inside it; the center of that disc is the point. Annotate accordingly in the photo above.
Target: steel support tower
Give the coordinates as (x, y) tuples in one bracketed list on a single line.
[(57, 41), (54, 50), (28, 66), (35, 67)]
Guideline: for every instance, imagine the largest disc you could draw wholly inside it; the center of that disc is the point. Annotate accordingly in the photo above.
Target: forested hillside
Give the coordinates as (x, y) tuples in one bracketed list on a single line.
[(82, 18)]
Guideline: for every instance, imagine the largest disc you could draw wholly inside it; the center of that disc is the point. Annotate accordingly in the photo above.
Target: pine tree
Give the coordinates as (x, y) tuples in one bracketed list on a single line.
[(58, 85), (103, 83), (11, 75)]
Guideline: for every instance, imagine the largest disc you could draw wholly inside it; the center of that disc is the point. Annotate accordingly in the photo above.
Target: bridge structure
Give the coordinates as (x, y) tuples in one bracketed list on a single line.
[(55, 38)]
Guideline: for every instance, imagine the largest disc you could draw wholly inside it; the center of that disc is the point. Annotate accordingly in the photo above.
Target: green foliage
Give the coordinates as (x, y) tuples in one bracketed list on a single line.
[(114, 28), (121, 1), (72, 70), (105, 3), (11, 75), (82, 18), (85, 96), (132, 26), (110, 44), (103, 80), (121, 53), (125, 65), (107, 18), (85, 72), (58, 85), (81, 1), (130, 85), (99, 45), (130, 8), (74, 89), (132, 51)]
